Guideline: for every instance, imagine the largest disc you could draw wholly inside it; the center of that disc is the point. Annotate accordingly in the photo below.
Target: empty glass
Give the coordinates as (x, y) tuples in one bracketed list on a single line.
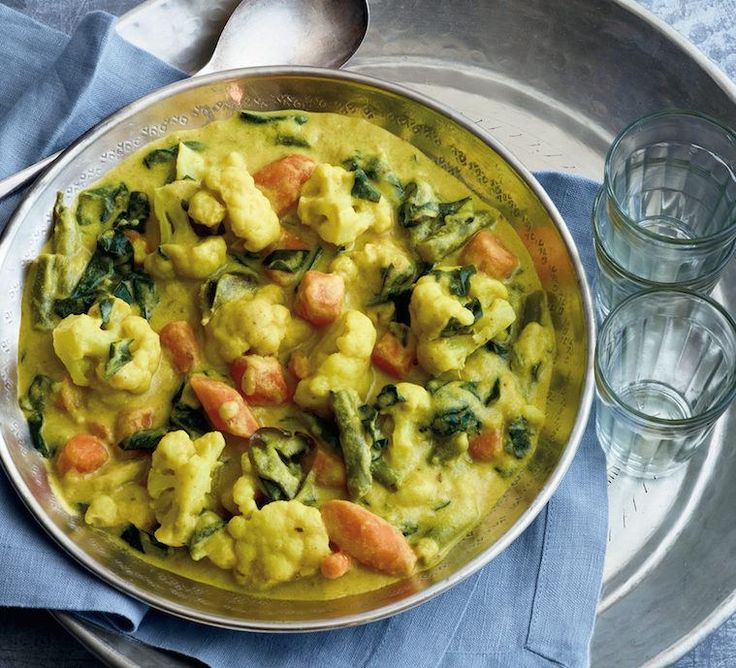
[(671, 197), (613, 283), (665, 370)]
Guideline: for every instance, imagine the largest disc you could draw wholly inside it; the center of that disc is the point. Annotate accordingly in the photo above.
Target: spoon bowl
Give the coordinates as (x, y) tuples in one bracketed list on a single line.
[(321, 33)]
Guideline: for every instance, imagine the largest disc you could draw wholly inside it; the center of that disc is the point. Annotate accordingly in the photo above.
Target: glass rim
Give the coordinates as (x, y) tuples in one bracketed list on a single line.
[(644, 232), (712, 414), (647, 283)]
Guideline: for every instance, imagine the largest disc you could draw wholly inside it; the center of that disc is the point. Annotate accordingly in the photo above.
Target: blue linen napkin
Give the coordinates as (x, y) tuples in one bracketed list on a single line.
[(534, 605)]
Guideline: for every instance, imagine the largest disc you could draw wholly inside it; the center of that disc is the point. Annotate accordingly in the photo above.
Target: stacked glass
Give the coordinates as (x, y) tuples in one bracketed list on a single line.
[(666, 214), (664, 227)]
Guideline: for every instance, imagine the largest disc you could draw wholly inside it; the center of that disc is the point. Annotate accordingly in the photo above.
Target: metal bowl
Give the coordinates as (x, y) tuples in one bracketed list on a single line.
[(453, 142)]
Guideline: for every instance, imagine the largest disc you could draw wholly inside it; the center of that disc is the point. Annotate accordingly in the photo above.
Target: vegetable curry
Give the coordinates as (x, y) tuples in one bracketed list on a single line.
[(285, 352)]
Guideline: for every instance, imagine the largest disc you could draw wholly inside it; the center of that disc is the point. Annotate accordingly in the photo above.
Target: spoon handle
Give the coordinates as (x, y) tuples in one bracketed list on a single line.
[(10, 184)]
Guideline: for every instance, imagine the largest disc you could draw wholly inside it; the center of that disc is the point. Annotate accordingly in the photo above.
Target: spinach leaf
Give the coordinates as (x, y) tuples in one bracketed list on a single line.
[(519, 438), (291, 140), (459, 419), (187, 417), (102, 204), (113, 243), (363, 188), (289, 261), (388, 396), (500, 350), (105, 310), (139, 208), (276, 457), (419, 205), (98, 270), (261, 119), (33, 404), (454, 327), (376, 170), (451, 208), (144, 542), (144, 292), (119, 356), (379, 467), (165, 155), (400, 331), (494, 394), (394, 282), (206, 531), (458, 280), (323, 430), (146, 439), (110, 272), (452, 233)]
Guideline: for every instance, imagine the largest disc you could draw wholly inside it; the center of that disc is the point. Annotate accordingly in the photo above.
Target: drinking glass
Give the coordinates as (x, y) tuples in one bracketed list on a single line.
[(665, 371), (671, 197), (613, 283)]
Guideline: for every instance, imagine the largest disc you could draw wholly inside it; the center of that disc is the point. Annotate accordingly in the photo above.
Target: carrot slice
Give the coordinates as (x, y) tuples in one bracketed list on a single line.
[(225, 407), (281, 181), (179, 339), (335, 565), (487, 253), (367, 538), (329, 470), (260, 379), (83, 453), (320, 297), (486, 445), (392, 357), (299, 365)]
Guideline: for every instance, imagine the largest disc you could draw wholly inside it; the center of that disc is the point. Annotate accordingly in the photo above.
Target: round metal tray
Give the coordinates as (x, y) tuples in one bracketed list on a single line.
[(553, 82)]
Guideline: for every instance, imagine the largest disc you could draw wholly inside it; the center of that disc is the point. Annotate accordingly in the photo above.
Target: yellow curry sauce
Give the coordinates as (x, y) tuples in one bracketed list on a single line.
[(241, 324)]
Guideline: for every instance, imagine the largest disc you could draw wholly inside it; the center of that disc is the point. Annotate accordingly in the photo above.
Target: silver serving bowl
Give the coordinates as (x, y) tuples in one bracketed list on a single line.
[(449, 139)]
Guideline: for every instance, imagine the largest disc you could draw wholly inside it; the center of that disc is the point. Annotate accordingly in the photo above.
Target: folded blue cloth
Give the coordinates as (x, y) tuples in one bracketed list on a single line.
[(533, 605)]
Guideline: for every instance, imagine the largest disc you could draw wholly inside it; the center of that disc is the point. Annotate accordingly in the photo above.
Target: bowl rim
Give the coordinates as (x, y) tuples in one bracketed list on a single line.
[(413, 600)]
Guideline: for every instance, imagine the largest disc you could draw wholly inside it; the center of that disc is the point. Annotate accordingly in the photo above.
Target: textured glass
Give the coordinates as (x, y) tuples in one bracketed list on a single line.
[(665, 368), (671, 196), (613, 283)]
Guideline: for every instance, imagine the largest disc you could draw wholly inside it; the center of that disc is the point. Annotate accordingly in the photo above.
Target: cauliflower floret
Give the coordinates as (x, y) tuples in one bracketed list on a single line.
[(245, 488), (255, 321), (409, 443), (341, 360), (251, 216), (211, 539), (84, 488), (193, 261), (205, 209), (282, 541), (327, 205), (453, 316), (182, 252), (374, 268), (122, 354), (179, 482), (129, 504)]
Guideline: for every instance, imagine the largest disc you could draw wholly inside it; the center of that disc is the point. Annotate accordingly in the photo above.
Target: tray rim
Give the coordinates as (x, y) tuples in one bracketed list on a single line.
[(728, 607)]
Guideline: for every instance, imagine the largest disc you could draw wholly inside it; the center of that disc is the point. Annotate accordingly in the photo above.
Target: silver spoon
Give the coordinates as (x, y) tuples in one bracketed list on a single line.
[(324, 33)]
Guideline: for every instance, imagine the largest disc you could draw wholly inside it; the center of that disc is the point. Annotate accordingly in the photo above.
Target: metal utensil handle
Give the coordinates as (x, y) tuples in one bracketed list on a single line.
[(9, 185)]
